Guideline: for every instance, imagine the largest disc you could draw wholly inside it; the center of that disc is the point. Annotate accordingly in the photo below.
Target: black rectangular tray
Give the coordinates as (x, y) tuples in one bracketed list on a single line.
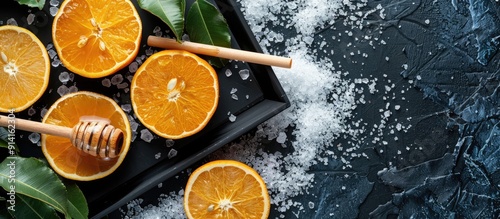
[(147, 164)]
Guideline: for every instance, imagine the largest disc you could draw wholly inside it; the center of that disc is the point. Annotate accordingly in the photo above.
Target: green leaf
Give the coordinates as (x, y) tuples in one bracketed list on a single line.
[(205, 24), (33, 178), (169, 11), (27, 207), (77, 204), (32, 3), (4, 140)]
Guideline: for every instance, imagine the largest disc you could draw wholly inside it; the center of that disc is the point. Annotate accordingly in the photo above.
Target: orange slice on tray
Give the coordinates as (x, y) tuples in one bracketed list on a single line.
[(175, 93), (226, 189), (65, 158), (24, 68), (96, 38)]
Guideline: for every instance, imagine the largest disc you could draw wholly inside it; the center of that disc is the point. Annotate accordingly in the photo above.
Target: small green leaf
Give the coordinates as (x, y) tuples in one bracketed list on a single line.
[(32, 3), (169, 11), (27, 207), (33, 178), (77, 204), (5, 139), (205, 24)]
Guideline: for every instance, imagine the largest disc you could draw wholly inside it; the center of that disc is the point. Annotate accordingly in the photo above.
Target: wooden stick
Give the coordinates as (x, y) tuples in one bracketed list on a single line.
[(37, 127), (221, 52), (97, 138)]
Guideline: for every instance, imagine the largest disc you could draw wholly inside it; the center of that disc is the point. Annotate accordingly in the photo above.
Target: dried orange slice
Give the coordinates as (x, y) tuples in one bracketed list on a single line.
[(65, 158), (24, 68), (226, 189), (175, 93), (96, 38)]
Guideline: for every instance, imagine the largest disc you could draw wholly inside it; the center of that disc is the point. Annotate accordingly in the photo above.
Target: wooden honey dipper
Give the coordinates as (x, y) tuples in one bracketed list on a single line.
[(96, 137)]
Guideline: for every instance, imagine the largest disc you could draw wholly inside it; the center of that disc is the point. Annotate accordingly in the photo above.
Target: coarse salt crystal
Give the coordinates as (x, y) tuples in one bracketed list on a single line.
[(30, 18), (232, 118), (133, 67), (34, 137), (126, 107), (53, 11), (31, 111), (172, 153), (11, 21), (169, 143), (64, 77), (234, 96), (158, 155), (62, 90), (117, 79), (146, 135), (228, 72), (106, 82), (244, 74)]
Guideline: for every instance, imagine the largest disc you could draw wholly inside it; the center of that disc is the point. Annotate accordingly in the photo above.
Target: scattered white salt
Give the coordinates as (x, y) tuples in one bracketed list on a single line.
[(52, 53), (133, 67), (172, 153), (106, 82), (157, 29), (281, 138), (56, 62), (34, 137), (12, 21), (169, 143), (158, 155), (244, 74), (134, 125), (311, 205), (43, 112), (233, 90), (234, 96), (30, 18), (31, 111), (72, 89), (146, 135), (62, 90), (122, 85), (64, 77), (53, 11), (126, 107), (54, 2), (228, 72), (117, 79), (232, 118), (149, 51)]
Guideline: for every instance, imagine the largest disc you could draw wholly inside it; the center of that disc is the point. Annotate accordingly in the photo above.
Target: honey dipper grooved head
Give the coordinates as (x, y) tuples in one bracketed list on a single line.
[(97, 138)]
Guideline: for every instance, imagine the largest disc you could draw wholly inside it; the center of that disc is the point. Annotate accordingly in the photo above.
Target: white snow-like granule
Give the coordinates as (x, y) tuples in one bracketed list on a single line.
[(321, 108)]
